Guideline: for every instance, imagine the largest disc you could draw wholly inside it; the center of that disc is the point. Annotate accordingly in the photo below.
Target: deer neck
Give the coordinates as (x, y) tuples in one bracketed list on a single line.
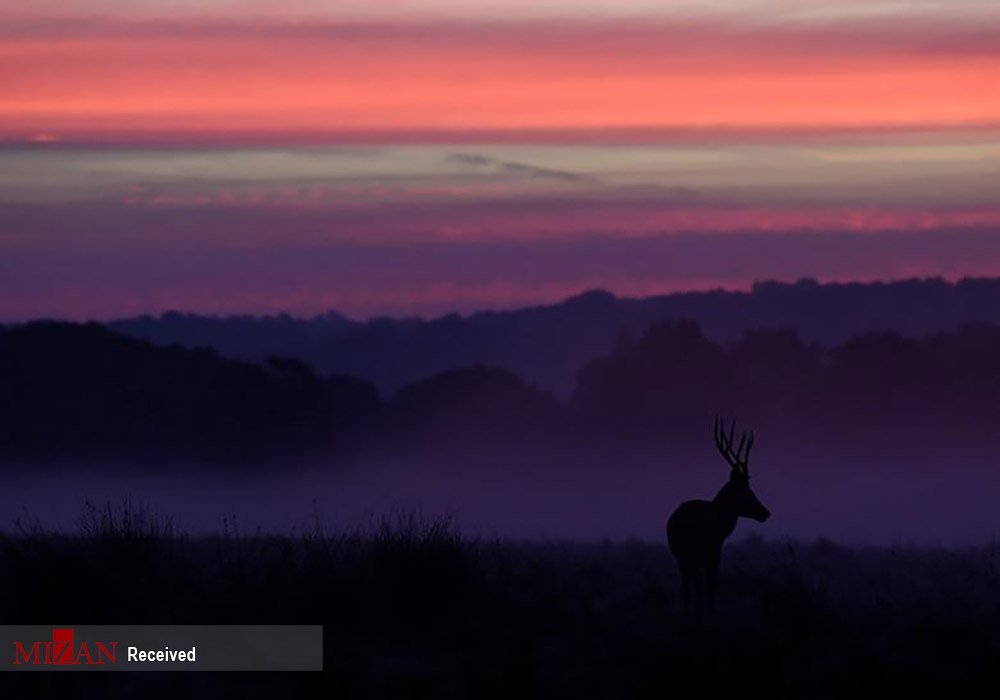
[(726, 512)]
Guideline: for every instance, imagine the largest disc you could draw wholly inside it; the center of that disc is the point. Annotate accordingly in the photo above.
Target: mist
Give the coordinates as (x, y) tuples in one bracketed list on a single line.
[(607, 495)]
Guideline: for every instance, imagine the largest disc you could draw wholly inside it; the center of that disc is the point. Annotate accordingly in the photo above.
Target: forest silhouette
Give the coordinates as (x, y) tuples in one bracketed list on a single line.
[(82, 391), (548, 344)]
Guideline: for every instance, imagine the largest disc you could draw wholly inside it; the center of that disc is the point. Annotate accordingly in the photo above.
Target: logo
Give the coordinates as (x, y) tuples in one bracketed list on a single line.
[(125, 648), (62, 650)]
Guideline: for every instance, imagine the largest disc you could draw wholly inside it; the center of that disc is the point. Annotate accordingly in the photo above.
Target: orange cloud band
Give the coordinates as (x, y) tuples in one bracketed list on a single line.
[(406, 80)]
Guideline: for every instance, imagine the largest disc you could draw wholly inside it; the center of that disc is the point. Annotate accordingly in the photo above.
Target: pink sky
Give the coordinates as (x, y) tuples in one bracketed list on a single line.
[(105, 68), (208, 133)]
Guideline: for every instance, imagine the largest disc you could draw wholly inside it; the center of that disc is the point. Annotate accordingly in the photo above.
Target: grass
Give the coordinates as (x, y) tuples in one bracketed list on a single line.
[(412, 609)]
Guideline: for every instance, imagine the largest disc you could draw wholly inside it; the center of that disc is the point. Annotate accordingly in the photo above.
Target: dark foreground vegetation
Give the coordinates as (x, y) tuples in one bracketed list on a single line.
[(413, 610)]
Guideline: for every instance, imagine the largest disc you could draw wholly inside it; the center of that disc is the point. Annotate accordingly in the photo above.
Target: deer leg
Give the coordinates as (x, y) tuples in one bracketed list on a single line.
[(688, 573), (698, 583), (711, 581)]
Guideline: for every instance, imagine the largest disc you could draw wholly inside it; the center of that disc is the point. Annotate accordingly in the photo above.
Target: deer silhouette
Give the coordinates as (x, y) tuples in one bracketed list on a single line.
[(697, 529)]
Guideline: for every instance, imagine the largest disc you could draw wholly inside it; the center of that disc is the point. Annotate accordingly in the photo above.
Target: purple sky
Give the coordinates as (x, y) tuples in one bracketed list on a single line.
[(100, 231)]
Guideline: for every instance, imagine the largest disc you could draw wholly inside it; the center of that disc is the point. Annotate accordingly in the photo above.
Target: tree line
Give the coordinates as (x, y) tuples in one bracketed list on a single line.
[(71, 392)]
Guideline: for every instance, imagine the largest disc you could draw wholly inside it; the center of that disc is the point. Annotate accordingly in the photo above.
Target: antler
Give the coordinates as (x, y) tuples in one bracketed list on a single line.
[(725, 445)]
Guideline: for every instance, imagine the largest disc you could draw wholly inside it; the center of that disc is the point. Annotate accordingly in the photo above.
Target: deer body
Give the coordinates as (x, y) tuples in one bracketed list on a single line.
[(697, 529)]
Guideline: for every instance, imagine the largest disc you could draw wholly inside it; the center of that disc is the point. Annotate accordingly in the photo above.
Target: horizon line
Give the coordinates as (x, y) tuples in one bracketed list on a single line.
[(593, 291)]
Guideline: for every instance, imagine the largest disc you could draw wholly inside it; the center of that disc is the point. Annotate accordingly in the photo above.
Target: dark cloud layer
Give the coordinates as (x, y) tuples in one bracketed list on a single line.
[(105, 263)]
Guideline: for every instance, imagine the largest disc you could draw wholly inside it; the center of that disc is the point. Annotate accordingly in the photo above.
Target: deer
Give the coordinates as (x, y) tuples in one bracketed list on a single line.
[(697, 529)]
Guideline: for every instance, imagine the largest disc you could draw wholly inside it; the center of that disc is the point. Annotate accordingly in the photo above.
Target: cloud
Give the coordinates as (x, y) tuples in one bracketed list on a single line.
[(520, 169), (757, 11)]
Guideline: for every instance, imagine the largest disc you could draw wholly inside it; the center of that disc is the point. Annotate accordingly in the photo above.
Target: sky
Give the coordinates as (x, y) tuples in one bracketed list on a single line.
[(424, 156)]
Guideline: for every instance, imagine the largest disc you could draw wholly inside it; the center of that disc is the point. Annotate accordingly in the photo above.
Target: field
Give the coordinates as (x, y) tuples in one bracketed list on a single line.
[(414, 610)]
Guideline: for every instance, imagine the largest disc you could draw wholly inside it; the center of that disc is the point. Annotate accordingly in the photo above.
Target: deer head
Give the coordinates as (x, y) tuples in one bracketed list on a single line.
[(736, 496)]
